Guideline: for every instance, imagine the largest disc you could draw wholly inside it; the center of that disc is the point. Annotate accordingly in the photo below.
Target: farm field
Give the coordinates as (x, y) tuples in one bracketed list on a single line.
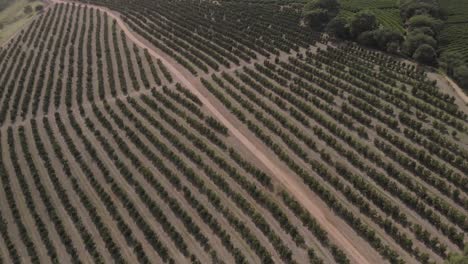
[(13, 17), (454, 35), (386, 11), (221, 132)]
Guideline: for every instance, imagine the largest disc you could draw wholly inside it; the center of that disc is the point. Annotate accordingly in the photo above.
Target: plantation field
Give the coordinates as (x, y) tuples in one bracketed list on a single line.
[(13, 18), (357, 5), (386, 11), (454, 36), (221, 132)]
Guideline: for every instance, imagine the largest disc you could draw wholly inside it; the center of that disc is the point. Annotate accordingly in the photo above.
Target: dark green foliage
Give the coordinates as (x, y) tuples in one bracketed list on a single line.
[(28, 9), (339, 26), (420, 21), (318, 13), (216, 125), (453, 64), (422, 18), (425, 54), (410, 8), (414, 41), (461, 75), (362, 27), (386, 37), (361, 22), (368, 39), (455, 258)]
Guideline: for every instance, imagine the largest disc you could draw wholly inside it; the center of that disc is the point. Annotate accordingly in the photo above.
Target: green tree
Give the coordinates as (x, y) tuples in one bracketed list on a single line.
[(425, 21), (317, 18), (425, 54), (393, 48), (317, 13), (449, 60), (361, 22), (461, 75), (458, 258), (385, 36), (414, 41), (410, 8), (422, 30), (339, 26), (330, 5), (28, 9), (368, 39)]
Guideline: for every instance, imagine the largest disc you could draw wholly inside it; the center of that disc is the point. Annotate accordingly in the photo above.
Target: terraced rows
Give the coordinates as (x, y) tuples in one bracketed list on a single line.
[(453, 35), (85, 59), (113, 155)]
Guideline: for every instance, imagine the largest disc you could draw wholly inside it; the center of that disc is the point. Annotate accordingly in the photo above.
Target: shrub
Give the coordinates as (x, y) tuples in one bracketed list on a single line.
[(39, 8), (414, 41), (318, 13), (410, 8), (461, 75), (339, 26), (363, 21), (458, 258), (425, 21), (367, 38), (423, 30), (425, 54), (28, 9)]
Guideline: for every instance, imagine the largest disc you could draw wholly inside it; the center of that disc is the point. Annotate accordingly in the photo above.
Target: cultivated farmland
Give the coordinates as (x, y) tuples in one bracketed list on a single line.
[(454, 35), (386, 11), (221, 132)]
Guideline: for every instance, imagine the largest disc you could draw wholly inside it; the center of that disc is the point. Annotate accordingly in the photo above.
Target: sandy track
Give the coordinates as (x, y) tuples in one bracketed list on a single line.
[(457, 89), (289, 181)]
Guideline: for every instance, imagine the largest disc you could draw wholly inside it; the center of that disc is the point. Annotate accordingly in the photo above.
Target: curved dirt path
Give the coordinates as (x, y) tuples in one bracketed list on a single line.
[(457, 89), (294, 187)]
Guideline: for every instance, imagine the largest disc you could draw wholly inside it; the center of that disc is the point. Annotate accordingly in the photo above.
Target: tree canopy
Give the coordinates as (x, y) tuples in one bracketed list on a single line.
[(425, 21), (425, 54), (339, 26), (414, 40), (458, 258), (363, 21), (318, 13)]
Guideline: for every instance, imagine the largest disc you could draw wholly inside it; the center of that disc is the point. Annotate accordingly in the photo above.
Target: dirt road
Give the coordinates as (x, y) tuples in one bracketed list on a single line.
[(457, 89), (294, 186)]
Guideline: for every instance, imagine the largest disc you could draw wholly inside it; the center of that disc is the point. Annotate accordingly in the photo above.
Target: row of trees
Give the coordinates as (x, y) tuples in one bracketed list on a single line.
[(363, 95), (26, 190), (24, 234), (193, 122), (446, 112), (355, 161), (456, 238), (193, 177), (260, 197), (155, 208), (362, 26), (170, 175), (309, 180), (80, 71), (216, 177), (423, 23), (185, 31)]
